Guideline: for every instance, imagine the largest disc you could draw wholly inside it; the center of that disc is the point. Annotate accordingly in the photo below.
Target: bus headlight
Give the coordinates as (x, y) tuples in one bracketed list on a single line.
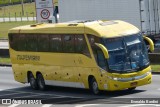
[(149, 72), (114, 78)]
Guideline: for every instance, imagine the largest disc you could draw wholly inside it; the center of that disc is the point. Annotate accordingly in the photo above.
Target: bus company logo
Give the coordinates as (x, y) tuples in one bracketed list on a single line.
[(28, 57), (6, 101)]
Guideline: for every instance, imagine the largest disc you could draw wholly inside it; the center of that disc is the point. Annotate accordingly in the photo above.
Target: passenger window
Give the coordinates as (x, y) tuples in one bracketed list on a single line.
[(43, 43), (21, 43), (68, 43), (17, 42), (13, 41), (55, 43), (81, 45), (31, 44)]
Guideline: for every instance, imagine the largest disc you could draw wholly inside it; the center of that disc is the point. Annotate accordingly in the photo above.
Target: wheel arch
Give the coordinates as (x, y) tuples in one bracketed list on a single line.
[(28, 73), (90, 77), (38, 72)]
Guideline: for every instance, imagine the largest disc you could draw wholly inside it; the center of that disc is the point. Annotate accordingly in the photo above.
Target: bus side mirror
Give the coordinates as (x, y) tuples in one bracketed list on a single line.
[(150, 43), (104, 50)]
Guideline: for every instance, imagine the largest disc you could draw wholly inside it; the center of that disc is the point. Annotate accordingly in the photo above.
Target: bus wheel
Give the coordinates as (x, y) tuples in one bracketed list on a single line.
[(131, 89), (33, 82), (41, 83), (94, 86)]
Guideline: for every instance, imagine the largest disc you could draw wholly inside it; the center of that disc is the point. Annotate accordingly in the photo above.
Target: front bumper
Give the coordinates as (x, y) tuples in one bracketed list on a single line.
[(114, 85)]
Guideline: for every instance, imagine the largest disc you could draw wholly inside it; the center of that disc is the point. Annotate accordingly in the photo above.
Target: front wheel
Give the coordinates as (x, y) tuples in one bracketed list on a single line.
[(94, 86), (41, 83), (33, 82)]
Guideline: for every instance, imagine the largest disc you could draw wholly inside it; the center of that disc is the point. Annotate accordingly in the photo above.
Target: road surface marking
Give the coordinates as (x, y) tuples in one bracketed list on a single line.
[(47, 105), (137, 105), (2, 89), (26, 96), (86, 105), (45, 94), (74, 100), (10, 94), (155, 75), (111, 101), (29, 96), (14, 105)]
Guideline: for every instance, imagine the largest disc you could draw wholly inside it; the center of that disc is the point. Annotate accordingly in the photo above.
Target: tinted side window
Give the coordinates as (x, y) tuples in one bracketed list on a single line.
[(43, 43), (31, 42), (81, 45), (92, 40), (98, 54), (17, 42), (55, 43), (68, 43), (13, 41), (21, 42)]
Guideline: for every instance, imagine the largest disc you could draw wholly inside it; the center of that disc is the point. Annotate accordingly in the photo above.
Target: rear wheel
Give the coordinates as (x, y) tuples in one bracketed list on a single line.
[(33, 82), (41, 82), (94, 86)]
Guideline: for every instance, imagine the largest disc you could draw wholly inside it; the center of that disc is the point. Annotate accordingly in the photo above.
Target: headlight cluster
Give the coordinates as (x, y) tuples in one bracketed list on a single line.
[(114, 78), (129, 79), (149, 72)]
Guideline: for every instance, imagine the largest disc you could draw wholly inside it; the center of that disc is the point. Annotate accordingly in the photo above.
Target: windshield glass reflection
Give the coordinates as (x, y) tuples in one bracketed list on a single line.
[(127, 54)]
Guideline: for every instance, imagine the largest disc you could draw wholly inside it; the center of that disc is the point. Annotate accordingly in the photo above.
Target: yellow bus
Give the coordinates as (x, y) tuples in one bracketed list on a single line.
[(95, 55)]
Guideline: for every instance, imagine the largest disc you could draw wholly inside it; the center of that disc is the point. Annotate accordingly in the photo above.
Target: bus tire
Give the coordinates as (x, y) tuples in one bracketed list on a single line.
[(33, 81), (94, 86), (41, 82), (131, 89)]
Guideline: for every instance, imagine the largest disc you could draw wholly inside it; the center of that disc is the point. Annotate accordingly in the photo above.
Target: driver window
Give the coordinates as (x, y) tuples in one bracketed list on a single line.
[(98, 54)]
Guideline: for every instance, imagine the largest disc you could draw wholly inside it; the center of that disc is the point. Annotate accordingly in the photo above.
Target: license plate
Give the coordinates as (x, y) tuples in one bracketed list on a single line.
[(134, 83)]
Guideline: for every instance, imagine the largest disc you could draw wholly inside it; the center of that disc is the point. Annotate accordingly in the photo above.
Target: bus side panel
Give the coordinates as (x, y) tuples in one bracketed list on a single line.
[(86, 67), (19, 71)]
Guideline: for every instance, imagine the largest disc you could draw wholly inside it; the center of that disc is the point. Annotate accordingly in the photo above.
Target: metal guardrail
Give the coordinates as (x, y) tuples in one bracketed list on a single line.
[(154, 58), (4, 52)]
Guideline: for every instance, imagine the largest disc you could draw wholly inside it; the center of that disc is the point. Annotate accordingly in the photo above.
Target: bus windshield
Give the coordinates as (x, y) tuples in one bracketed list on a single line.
[(127, 54)]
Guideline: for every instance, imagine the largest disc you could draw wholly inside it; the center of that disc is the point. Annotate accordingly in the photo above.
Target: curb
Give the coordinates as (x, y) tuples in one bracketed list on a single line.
[(5, 65)]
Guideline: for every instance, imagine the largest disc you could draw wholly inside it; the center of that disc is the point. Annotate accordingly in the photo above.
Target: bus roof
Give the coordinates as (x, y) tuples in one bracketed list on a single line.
[(106, 29)]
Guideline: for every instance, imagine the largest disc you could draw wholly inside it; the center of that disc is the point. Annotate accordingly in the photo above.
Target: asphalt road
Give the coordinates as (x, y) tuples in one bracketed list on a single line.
[(71, 97)]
